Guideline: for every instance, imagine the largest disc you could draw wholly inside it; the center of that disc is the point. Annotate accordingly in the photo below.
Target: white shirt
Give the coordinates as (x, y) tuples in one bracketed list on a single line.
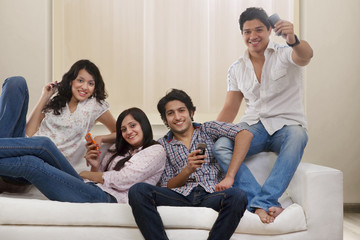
[(276, 101), (68, 130)]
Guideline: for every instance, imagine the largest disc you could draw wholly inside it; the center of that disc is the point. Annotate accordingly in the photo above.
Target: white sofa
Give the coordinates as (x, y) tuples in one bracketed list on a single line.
[(313, 201)]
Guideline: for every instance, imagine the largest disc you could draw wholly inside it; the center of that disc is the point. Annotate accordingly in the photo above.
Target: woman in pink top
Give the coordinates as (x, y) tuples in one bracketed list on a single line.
[(135, 158)]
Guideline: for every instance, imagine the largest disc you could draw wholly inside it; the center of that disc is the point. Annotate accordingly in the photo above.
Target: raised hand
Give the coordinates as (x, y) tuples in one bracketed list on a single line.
[(49, 90), (92, 156), (286, 29)]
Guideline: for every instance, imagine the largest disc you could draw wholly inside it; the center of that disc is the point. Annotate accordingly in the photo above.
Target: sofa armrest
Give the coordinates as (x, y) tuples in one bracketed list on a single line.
[(319, 190)]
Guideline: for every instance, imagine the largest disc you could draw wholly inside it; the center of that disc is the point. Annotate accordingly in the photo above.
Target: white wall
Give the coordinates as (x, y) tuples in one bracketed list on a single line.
[(25, 42), (332, 78), (332, 86)]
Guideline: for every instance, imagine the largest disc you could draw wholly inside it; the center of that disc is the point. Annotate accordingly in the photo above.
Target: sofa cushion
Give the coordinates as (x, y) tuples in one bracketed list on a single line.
[(32, 208), (20, 211)]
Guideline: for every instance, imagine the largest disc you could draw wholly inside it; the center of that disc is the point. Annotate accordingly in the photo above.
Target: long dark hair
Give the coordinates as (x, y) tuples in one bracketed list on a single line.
[(64, 92), (121, 146)]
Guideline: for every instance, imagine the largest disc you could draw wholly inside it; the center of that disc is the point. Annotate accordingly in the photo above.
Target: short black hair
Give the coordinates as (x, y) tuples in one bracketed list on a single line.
[(254, 13), (175, 94)]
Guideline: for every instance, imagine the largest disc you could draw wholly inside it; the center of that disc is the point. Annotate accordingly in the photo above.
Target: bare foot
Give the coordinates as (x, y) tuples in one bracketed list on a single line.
[(264, 216), (275, 211)]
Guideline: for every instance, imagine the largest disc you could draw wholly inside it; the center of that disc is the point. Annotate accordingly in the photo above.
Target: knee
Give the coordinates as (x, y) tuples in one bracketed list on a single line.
[(222, 150), (238, 198), (43, 140), (222, 145), (137, 192), (297, 134), (303, 136), (16, 82)]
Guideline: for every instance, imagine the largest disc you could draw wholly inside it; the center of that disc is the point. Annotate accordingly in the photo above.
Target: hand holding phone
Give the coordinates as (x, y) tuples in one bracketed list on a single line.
[(273, 19), (202, 147), (89, 156), (89, 139), (195, 162)]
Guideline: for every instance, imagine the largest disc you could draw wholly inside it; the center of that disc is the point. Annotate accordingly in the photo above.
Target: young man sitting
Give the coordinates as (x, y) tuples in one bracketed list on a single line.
[(189, 179)]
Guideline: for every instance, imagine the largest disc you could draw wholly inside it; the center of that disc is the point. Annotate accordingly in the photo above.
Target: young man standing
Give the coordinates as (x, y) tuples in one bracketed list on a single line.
[(269, 77), (189, 179)]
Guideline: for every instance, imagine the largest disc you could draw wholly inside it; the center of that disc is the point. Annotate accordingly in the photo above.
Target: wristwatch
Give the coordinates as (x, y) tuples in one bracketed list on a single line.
[(297, 42)]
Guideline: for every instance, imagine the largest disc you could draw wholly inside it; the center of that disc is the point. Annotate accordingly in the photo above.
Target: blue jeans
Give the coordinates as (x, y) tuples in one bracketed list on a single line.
[(144, 198), (289, 143), (14, 101), (37, 159)]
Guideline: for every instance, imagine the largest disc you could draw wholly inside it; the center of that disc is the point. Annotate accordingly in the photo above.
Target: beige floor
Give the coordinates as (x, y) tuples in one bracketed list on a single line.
[(351, 226)]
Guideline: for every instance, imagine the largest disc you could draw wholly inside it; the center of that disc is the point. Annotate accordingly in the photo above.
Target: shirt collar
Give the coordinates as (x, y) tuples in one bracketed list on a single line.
[(169, 136), (270, 47)]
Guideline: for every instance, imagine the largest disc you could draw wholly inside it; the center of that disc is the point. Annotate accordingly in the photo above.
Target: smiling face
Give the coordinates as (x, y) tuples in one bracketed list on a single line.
[(178, 117), (132, 132), (256, 36), (82, 87)]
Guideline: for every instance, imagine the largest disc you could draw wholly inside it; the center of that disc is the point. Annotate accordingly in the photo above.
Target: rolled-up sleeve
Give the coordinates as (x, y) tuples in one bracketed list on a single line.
[(221, 129)]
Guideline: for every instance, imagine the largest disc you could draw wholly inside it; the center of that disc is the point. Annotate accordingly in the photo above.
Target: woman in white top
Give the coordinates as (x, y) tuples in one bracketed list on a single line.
[(67, 111), (136, 158)]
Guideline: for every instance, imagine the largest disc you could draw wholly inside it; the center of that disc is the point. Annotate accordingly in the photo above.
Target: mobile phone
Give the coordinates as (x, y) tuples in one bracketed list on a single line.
[(89, 139), (202, 147), (273, 19)]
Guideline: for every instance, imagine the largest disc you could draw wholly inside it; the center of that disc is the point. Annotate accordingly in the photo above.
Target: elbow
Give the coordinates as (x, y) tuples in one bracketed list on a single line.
[(310, 55), (170, 185), (29, 133), (173, 184), (305, 60)]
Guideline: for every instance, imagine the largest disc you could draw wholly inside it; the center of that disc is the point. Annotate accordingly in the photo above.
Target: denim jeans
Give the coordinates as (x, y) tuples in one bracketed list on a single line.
[(37, 159), (288, 142), (144, 198), (14, 101)]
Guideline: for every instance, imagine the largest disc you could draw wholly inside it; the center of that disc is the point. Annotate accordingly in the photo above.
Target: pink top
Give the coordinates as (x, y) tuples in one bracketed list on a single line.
[(144, 166)]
